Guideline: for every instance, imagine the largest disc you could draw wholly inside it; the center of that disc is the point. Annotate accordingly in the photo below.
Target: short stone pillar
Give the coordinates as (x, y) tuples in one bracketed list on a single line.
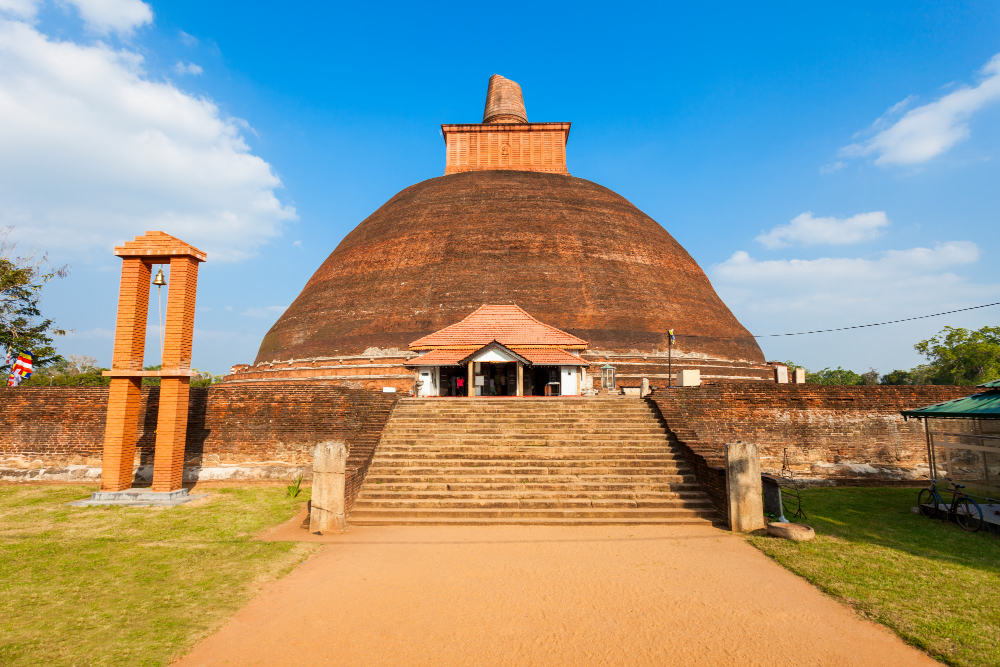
[(743, 487), (688, 378), (799, 376), (772, 496), (781, 374), (327, 504), (644, 389)]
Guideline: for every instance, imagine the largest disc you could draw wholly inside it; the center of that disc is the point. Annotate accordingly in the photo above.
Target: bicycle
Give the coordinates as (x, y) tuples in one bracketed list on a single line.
[(967, 512)]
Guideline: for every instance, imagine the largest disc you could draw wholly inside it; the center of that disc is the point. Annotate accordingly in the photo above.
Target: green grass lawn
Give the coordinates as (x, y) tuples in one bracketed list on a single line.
[(135, 586), (936, 585)]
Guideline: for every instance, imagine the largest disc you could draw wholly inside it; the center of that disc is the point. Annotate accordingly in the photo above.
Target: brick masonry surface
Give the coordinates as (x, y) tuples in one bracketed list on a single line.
[(60, 426), (854, 434), (828, 432), (571, 253)]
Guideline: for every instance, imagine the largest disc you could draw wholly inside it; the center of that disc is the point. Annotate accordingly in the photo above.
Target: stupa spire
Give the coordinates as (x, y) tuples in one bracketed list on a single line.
[(504, 102)]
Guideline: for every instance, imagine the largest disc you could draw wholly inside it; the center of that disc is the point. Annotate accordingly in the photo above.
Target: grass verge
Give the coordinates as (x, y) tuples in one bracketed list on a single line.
[(934, 584), (114, 585)]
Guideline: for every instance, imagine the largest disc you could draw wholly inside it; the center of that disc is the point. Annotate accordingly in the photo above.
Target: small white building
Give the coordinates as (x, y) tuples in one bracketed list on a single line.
[(499, 351)]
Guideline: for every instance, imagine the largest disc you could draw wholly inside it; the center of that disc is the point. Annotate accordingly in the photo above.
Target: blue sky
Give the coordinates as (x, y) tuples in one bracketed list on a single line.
[(826, 167)]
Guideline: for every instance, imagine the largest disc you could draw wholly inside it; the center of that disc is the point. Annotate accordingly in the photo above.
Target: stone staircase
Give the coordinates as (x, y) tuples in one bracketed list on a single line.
[(566, 461)]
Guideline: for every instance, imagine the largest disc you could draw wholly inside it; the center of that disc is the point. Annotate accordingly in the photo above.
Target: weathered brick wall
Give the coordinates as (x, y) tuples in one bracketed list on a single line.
[(226, 424), (826, 431)]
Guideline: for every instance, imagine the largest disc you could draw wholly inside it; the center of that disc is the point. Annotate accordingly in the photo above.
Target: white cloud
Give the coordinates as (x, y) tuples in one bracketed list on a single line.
[(189, 68), (791, 294), (267, 311), (93, 151), (806, 230), (830, 168), (189, 40), (104, 16), (99, 16), (930, 130), (23, 9)]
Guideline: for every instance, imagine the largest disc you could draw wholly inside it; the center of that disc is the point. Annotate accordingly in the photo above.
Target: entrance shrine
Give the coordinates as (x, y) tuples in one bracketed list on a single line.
[(499, 351)]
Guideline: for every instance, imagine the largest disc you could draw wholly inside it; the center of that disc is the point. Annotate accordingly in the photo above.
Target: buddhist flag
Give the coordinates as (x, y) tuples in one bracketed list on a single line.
[(22, 369), (670, 332)]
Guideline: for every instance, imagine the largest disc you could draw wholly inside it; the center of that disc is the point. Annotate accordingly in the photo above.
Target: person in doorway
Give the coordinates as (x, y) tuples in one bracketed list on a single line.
[(460, 382)]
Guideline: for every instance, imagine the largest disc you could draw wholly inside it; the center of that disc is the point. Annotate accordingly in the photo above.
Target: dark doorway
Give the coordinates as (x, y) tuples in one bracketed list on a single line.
[(451, 378), (499, 379), (542, 377)]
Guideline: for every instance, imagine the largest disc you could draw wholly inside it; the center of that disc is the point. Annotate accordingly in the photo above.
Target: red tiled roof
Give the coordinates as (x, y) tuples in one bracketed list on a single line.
[(540, 357), (438, 358), (550, 357), (508, 325)]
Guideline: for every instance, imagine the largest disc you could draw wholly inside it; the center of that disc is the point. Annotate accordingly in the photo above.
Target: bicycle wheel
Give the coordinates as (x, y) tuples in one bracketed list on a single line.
[(928, 503), (968, 514)]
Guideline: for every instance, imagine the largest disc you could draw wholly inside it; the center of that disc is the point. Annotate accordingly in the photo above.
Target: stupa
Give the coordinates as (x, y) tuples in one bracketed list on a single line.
[(506, 224)]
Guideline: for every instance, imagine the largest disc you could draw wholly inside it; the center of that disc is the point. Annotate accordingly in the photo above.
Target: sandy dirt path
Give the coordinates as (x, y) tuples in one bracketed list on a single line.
[(534, 595)]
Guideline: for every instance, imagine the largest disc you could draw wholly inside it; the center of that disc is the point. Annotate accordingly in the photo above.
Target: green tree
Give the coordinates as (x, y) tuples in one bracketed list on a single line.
[(960, 356), (22, 327), (73, 371), (917, 375), (842, 376), (202, 379)]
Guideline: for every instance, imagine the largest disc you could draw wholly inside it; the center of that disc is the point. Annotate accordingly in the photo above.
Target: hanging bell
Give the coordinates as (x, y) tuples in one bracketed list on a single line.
[(159, 280)]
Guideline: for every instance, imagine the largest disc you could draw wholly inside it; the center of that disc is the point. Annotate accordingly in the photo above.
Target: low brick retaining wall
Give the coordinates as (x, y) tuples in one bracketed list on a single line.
[(852, 435), (238, 432)]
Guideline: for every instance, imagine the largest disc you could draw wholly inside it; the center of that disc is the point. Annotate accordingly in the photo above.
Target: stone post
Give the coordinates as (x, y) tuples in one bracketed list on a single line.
[(520, 379), (327, 504), (743, 487), (472, 378), (799, 376), (644, 391), (772, 496), (781, 374)]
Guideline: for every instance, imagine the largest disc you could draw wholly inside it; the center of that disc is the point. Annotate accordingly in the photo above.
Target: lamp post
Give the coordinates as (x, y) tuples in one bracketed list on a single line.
[(670, 358), (160, 281)]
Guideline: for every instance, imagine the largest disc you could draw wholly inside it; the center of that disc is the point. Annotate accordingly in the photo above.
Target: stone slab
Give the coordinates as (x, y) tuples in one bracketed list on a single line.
[(139, 498)]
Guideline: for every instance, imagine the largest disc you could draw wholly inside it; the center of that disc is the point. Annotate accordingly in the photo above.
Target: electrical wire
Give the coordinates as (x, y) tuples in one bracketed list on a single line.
[(878, 324)]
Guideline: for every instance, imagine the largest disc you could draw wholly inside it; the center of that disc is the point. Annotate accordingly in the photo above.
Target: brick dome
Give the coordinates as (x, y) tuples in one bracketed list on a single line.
[(570, 252)]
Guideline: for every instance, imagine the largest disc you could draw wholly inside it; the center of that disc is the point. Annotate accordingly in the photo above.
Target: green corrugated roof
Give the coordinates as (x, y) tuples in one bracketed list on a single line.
[(982, 406)]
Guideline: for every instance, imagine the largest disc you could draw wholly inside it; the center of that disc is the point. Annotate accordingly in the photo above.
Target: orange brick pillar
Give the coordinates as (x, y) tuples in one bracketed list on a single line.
[(171, 420), (124, 394)]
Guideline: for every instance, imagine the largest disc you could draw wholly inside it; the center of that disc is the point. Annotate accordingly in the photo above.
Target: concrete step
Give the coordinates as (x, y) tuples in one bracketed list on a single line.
[(561, 441), (479, 494), (534, 456), (525, 470), (664, 449), (528, 503), (528, 461), (453, 488), (583, 513), (635, 520), (490, 477), (381, 462)]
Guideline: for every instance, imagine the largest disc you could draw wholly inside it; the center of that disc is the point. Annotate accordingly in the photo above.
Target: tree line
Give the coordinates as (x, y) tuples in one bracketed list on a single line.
[(954, 356)]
